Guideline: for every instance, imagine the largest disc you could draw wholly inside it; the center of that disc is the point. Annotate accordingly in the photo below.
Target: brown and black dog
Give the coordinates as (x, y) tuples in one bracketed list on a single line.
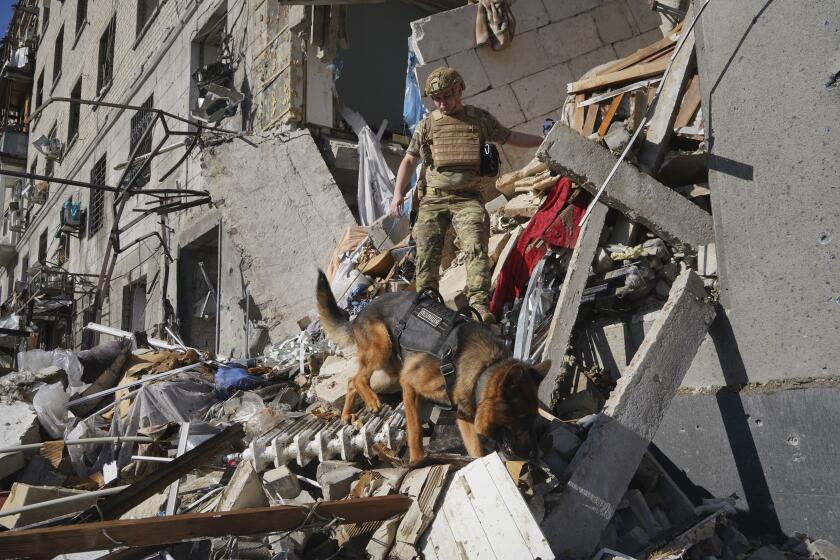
[(505, 409)]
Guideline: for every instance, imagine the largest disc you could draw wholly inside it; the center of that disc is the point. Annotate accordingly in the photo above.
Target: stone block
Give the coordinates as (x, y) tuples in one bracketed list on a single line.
[(501, 103), (529, 14), (564, 440), (386, 232), (563, 9), (525, 56), (644, 18), (613, 22), (19, 426), (518, 157), (635, 194), (496, 246), (823, 550), (336, 478), (582, 64), (444, 33), (281, 482), (330, 385), (569, 38), (470, 68), (453, 286), (542, 92), (707, 260)]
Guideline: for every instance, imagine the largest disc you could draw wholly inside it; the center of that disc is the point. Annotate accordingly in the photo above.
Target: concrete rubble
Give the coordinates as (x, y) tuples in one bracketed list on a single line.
[(227, 439)]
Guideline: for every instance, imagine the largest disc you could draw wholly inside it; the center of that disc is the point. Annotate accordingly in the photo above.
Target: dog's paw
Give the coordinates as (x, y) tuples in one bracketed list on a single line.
[(373, 404), (415, 458), (346, 418)]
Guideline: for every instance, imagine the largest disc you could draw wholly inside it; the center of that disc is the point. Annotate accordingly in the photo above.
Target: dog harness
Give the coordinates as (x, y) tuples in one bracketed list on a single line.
[(428, 326)]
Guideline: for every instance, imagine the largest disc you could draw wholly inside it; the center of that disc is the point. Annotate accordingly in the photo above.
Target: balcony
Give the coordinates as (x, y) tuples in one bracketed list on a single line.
[(13, 145)]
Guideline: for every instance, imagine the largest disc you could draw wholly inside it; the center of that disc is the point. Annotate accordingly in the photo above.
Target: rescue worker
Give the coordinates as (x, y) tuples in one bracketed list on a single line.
[(449, 141)]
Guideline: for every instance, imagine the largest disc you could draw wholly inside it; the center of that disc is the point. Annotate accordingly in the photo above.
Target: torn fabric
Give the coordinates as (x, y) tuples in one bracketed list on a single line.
[(494, 24)]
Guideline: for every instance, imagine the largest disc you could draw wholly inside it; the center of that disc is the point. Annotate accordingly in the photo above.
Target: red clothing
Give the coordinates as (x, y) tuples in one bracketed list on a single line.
[(549, 226)]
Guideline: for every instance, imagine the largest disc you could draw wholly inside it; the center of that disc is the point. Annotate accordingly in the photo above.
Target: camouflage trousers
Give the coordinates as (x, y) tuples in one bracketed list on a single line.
[(438, 209)]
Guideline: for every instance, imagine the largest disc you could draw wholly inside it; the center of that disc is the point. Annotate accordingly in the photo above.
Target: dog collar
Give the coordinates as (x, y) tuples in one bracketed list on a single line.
[(481, 383)]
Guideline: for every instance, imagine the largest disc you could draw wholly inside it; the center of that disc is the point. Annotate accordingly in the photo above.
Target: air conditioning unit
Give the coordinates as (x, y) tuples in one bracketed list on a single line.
[(38, 194), (52, 148), (71, 217), (17, 222)]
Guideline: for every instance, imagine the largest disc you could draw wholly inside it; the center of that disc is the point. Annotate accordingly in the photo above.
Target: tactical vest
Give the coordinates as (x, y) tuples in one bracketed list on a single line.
[(456, 140)]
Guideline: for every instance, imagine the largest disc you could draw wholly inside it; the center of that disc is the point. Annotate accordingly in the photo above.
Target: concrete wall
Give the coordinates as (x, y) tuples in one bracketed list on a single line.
[(556, 42)]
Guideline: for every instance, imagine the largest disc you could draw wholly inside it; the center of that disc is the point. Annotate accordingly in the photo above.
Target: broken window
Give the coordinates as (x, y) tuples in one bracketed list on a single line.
[(42, 247), (75, 112), (49, 166), (81, 15), (134, 306), (106, 57), (39, 90), (24, 267), (146, 9), (96, 206), (139, 123), (58, 55), (89, 338)]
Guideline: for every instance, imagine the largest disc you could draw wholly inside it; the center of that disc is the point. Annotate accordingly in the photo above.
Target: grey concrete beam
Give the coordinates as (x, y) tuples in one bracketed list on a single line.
[(566, 310), (633, 193), (606, 462)]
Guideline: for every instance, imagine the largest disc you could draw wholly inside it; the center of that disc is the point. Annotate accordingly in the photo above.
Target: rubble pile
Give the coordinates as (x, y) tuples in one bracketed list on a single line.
[(142, 448)]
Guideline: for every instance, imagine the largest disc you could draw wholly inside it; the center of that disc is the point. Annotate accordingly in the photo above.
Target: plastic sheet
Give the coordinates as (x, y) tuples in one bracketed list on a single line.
[(232, 377), (34, 360), (50, 404), (413, 109), (376, 181)]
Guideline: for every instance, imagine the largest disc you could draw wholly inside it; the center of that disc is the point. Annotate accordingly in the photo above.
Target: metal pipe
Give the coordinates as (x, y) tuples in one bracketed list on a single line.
[(82, 441), (163, 150), (119, 333), (100, 394), (151, 459), (65, 500)]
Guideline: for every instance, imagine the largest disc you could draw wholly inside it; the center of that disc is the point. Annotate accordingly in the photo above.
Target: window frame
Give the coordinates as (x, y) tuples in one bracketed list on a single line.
[(96, 200), (144, 20), (81, 22), (109, 34), (75, 115), (58, 57)]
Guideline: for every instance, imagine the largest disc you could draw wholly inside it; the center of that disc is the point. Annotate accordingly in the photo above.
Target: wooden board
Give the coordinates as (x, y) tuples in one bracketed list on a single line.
[(664, 44), (608, 118), (690, 103), (103, 535), (591, 118), (577, 115), (604, 81), (425, 485), (483, 515)]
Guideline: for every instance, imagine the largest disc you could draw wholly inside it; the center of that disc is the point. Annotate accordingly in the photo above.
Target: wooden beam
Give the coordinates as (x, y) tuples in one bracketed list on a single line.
[(608, 118), (661, 125), (577, 115), (632, 74), (103, 535), (591, 118), (690, 103)]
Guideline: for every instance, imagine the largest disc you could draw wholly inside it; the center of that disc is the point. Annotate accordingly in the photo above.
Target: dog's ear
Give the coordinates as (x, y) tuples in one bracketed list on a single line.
[(540, 370)]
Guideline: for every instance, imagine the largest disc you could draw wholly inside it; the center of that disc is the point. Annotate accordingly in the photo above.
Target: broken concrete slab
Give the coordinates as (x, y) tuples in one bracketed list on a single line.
[(25, 495), (281, 482), (274, 225), (453, 286), (424, 486), (244, 490), (632, 192), (386, 232), (521, 206), (330, 384), (19, 426), (336, 478), (566, 310), (629, 421)]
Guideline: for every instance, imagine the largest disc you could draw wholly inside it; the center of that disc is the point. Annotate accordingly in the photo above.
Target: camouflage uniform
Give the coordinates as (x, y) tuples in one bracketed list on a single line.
[(453, 196)]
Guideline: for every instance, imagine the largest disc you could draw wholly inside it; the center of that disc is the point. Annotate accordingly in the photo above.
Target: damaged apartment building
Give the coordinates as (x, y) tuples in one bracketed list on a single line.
[(183, 168)]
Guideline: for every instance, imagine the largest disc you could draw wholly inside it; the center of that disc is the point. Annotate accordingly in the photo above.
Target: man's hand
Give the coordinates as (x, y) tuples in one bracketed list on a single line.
[(396, 205)]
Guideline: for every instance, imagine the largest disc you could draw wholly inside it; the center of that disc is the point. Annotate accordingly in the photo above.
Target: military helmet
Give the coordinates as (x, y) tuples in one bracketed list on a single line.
[(441, 79)]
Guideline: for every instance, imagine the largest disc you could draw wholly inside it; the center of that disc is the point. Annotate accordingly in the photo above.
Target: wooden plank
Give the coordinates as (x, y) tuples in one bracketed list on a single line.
[(591, 118), (566, 310), (441, 541), (577, 115), (520, 514), (150, 531), (465, 525), (690, 103), (425, 485), (666, 43), (494, 514), (661, 125), (632, 74), (608, 118)]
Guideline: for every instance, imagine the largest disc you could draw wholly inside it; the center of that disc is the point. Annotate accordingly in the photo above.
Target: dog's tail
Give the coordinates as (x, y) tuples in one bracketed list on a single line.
[(334, 320)]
